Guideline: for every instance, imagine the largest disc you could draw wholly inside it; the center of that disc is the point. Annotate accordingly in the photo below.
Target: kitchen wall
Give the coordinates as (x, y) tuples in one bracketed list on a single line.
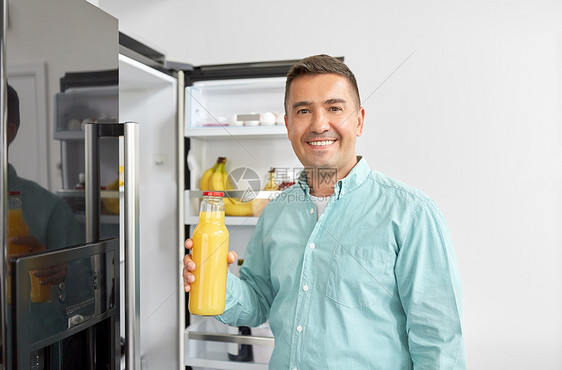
[(463, 101)]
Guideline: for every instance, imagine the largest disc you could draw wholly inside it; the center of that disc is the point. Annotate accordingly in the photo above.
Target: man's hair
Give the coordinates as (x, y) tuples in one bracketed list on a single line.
[(13, 106), (317, 65)]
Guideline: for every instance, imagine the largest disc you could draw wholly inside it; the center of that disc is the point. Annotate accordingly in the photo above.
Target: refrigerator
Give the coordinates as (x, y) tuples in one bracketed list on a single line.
[(153, 127), (60, 285)]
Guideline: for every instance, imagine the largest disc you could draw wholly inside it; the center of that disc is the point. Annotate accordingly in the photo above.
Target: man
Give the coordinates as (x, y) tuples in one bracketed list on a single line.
[(354, 270), (50, 220), (51, 225)]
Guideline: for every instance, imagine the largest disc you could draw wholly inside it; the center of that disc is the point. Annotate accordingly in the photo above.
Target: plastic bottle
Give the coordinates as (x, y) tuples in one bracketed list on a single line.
[(210, 251)]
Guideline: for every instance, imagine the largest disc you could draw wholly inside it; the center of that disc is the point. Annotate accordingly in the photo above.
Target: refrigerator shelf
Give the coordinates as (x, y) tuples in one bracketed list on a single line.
[(219, 360), (79, 193), (207, 344), (262, 194), (104, 219), (68, 135), (222, 132), (228, 220)]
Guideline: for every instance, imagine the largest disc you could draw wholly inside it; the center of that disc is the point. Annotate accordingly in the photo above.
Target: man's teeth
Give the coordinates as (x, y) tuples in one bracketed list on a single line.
[(320, 143)]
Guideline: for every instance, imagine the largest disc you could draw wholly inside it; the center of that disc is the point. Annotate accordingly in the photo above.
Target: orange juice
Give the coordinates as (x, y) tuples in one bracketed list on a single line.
[(39, 293), (210, 250), (18, 227)]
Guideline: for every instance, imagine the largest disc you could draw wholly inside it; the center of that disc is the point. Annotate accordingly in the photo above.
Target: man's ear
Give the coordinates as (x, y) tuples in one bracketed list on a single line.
[(360, 121)]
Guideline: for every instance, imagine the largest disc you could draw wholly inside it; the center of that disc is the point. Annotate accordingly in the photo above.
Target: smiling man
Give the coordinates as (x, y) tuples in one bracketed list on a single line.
[(353, 269)]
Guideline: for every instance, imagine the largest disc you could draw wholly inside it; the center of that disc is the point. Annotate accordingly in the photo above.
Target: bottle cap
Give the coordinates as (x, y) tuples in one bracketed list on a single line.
[(213, 194), (12, 193)]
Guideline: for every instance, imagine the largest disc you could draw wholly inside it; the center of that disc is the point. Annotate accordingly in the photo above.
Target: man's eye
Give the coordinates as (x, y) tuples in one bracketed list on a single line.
[(302, 111), (335, 109)]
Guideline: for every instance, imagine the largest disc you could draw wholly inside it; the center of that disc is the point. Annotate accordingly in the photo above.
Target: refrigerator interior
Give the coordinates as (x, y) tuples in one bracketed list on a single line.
[(148, 97), (216, 112), (73, 108)]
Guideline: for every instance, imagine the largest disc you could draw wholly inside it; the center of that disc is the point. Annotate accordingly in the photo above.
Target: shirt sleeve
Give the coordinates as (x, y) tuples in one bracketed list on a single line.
[(249, 298), (430, 291)]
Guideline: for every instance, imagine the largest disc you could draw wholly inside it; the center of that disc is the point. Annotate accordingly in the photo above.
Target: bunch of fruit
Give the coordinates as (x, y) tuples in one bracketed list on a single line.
[(216, 179)]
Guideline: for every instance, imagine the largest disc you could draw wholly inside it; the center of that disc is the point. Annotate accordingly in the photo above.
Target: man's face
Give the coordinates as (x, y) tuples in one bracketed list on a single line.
[(323, 121)]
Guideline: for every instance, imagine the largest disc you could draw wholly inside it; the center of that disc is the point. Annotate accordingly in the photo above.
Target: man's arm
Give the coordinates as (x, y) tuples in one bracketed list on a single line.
[(430, 291)]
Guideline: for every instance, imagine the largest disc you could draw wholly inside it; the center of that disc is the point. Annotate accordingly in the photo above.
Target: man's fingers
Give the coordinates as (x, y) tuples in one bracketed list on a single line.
[(189, 244), (188, 279), (232, 257), (34, 244), (51, 275), (188, 263)]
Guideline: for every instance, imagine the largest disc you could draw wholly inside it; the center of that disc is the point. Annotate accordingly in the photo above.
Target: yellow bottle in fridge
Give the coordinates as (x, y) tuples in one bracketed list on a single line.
[(209, 252)]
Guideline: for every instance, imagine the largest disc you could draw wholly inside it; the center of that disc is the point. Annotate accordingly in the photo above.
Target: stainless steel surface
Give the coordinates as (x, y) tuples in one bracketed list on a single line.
[(92, 173), (92, 195), (3, 183), (231, 338), (132, 265), (102, 254), (180, 216)]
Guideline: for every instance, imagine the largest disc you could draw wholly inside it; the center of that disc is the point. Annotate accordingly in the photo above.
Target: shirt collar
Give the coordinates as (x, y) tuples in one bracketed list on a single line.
[(352, 181)]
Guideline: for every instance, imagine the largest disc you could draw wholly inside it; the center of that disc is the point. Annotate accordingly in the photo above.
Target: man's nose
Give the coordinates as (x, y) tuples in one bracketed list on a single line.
[(320, 122)]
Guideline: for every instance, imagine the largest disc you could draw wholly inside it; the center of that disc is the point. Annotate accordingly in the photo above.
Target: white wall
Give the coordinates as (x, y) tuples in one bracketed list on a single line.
[(472, 118)]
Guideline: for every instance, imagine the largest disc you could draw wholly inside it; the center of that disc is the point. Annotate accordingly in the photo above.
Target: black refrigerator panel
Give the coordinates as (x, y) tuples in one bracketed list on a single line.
[(59, 303)]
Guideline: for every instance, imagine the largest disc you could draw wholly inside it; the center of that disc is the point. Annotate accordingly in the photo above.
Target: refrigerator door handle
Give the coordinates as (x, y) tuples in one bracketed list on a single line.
[(129, 217), (131, 238)]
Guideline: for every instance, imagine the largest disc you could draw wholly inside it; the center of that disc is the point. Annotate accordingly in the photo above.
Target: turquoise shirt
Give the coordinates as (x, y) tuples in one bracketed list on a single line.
[(372, 284)]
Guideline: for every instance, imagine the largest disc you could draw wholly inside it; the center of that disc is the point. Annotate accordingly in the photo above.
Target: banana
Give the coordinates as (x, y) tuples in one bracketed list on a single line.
[(204, 184), (217, 178), (226, 180), (236, 208), (112, 204)]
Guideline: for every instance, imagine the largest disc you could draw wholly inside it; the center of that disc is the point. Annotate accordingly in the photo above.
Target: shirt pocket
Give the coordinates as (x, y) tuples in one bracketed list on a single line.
[(354, 276)]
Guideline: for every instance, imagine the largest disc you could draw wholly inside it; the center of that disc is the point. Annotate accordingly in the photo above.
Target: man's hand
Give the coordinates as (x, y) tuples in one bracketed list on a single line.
[(33, 244), (49, 276), (189, 265)]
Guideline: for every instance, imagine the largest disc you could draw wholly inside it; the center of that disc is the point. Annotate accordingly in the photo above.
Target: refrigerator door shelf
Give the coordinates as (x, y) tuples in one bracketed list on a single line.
[(226, 131), (229, 220)]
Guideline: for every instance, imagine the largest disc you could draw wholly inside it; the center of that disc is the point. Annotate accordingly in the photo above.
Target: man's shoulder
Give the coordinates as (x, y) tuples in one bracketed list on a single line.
[(386, 185), (34, 193)]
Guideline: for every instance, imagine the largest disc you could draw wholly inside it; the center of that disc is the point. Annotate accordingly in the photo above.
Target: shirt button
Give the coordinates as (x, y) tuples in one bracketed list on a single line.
[(312, 245), (299, 328), (311, 210), (342, 192), (305, 288)]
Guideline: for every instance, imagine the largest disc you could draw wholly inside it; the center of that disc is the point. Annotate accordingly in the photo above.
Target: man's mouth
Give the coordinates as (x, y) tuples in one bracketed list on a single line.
[(321, 142)]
